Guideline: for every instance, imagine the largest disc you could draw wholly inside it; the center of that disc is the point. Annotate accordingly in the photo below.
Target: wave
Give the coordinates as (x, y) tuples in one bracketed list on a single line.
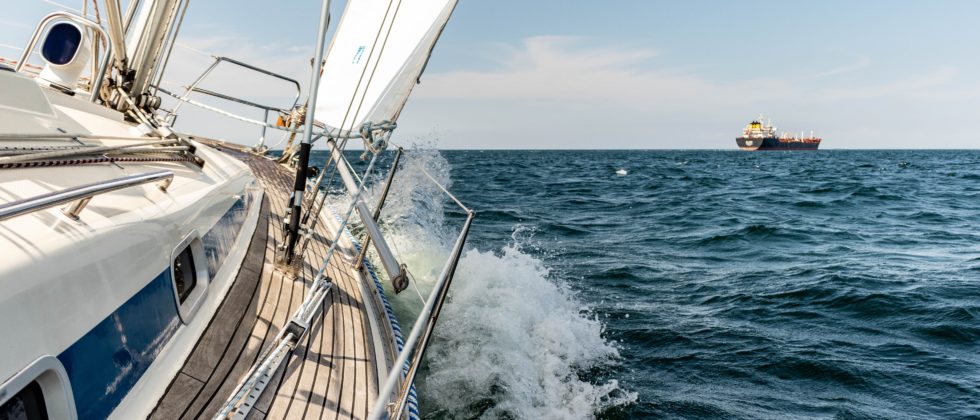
[(757, 233), (512, 340)]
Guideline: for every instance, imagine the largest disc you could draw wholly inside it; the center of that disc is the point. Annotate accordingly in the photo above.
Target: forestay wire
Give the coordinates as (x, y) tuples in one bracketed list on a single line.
[(343, 144)]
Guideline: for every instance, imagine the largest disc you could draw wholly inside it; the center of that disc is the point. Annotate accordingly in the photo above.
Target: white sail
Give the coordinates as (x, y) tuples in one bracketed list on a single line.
[(375, 58)]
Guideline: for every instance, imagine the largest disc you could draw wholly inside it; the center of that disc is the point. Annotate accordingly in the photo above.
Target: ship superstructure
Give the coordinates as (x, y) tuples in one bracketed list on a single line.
[(762, 136)]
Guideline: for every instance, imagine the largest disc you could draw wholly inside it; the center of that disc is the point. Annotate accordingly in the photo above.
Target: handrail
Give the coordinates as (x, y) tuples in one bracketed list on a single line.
[(402, 374), (72, 152), (79, 196)]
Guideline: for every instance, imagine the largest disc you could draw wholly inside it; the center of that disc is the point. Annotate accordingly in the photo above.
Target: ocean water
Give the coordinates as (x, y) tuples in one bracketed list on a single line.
[(698, 284)]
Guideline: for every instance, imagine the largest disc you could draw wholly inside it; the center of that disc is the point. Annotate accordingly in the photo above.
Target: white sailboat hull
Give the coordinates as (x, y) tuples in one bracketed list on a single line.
[(95, 297)]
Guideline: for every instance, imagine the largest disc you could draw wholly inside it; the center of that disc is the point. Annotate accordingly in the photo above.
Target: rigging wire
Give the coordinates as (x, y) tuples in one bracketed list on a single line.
[(415, 285), (441, 187), (350, 105), (377, 61), (357, 87)]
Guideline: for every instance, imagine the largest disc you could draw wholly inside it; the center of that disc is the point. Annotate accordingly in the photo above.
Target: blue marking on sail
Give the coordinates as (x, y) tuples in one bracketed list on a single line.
[(358, 55)]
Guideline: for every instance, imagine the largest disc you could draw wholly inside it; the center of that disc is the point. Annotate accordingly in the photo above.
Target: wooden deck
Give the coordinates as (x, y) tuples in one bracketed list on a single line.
[(332, 374)]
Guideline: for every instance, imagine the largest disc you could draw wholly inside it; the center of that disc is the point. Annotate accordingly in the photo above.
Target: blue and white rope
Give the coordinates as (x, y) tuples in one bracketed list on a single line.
[(411, 403)]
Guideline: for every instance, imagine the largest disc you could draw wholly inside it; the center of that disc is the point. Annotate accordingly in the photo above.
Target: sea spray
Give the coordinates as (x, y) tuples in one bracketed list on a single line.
[(512, 343), (512, 340)]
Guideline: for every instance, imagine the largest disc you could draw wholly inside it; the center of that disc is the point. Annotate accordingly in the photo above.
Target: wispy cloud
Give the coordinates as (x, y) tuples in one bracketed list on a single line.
[(15, 24), (562, 69), (860, 62), (577, 87), (572, 69), (934, 84)]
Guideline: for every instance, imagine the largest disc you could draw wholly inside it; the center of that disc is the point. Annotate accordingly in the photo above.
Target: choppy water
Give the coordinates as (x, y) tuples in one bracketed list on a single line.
[(701, 284)]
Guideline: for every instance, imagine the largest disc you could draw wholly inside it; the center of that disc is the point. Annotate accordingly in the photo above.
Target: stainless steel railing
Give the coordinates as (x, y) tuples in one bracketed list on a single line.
[(392, 400), (114, 50), (402, 375), (79, 196), (193, 87), (418, 339)]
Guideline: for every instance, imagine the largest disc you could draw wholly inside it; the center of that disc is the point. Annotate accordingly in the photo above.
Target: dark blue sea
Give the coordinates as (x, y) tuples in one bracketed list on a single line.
[(701, 284)]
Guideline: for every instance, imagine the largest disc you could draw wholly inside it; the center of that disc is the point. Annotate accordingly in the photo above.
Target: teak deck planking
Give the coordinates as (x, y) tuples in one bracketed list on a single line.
[(332, 374)]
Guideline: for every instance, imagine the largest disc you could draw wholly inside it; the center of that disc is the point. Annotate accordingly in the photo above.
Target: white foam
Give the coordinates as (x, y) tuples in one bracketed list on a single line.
[(511, 340), (513, 336)]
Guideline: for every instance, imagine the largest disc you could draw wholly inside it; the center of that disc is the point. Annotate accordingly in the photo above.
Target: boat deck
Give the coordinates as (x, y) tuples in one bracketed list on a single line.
[(333, 373)]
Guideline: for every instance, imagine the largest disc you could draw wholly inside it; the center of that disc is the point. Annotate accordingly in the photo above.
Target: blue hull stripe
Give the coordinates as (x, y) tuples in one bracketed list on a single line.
[(218, 241), (105, 363)]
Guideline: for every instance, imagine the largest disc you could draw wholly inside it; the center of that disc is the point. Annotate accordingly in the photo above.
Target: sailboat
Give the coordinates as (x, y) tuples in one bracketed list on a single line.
[(151, 273)]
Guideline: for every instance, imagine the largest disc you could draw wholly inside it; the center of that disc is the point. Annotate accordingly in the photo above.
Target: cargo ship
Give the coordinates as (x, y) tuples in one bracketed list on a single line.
[(759, 136)]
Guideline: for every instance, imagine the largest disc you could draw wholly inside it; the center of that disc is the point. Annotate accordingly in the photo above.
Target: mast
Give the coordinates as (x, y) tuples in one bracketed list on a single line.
[(116, 32), (143, 39), (302, 167)]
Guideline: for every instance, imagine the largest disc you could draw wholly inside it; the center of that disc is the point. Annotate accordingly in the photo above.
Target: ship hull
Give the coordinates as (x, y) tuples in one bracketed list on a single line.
[(774, 143)]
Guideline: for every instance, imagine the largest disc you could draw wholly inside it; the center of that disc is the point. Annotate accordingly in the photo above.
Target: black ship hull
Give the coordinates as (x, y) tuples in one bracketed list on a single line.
[(774, 143)]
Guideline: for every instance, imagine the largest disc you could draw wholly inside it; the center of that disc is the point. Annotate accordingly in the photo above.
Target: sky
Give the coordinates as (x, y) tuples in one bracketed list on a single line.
[(571, 74)]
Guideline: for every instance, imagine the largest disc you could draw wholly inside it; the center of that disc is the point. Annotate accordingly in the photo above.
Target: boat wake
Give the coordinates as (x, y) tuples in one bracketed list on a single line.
[(512, 340)]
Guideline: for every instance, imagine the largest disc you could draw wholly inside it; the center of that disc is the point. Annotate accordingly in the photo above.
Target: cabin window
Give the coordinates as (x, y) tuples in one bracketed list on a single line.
[(28, 404), (189, 273), (185, 275)]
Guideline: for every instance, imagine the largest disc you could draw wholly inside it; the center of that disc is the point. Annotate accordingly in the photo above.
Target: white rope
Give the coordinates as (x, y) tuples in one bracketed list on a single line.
[(18, 49), (415, 285), (188, 47), (443, 188), (284, 137), (59, 5), (438, 184)]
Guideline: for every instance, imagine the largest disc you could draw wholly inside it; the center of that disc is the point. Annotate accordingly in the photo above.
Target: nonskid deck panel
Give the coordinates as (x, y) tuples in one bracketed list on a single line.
[(332, 374)]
